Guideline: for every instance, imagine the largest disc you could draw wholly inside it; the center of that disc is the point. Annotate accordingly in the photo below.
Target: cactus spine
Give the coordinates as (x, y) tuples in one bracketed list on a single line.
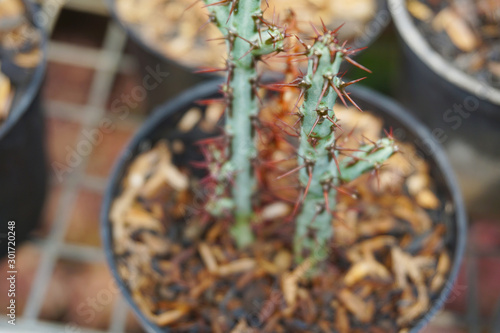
[(247, 39), (321, 173)]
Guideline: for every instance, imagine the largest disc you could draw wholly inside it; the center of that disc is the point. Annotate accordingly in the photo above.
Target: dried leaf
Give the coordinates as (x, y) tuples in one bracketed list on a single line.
[(443, 267), (434, 242), (140, 168), (269, 267), (175, 178), (201, 287), (289, 282), (9, 9), (121, 205), (283, 260), (457, 29), (242, 327), (427, 199), (398, 267), (236, 266), (189, 120), (410, 313), (376, 227), (419, 10), (137, 217), (361, 309), (342, 320), (366, 268), (6, 96), (417, 217), (361, 10), (154, 185), (169, 317), (275, 210), (213, 114), (417, 183), (157, 245), (29, 59), (208, 258)]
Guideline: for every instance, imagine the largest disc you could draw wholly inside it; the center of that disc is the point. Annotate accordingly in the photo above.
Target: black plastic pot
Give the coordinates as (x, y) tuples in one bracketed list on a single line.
[(182, 77), (163, 122), (462, 111), (23, 165)]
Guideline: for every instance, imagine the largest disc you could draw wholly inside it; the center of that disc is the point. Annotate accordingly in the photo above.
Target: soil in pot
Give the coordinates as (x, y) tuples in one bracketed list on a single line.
[(20, 51), (178, 29), (464, 32), (388, 262)]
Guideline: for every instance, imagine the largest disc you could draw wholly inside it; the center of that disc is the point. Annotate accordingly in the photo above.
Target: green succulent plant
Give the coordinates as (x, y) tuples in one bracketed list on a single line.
[(249, 38)]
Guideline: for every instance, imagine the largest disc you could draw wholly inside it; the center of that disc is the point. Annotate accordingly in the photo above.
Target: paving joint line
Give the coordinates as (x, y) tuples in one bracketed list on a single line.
[(42, 326), (118, 320), (85, 253), (95, 183), (472, 311), (101, 85), (87, 57)]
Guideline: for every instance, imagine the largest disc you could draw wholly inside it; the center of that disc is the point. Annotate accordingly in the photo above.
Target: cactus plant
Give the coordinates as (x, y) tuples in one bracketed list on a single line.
[(322, 174), (249, 37)]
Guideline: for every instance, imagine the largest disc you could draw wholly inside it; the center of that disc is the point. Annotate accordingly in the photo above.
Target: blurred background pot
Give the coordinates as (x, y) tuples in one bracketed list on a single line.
[(163, 125), (23, 168), (462, 111), (184, 49)]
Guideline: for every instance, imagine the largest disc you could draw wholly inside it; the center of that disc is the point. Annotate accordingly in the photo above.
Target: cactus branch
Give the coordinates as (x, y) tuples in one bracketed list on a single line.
[(367, 158), (324, 174), (248, 38), (314, 228)]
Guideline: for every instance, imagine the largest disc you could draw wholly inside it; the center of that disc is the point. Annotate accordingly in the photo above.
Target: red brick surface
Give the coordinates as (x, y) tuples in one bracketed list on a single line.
[(106, 153), (51, 206), (441, 329), (84, 221), (67, 83), (80, 294), (132, 324), (457, 301), (488, 274), (123, 86), (61, 137), (485, 237)]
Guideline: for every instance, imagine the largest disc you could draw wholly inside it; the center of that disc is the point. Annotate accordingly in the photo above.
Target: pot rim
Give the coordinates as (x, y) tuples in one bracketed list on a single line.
[(137, 38), (385, 104), (419, 45), (17, 111)]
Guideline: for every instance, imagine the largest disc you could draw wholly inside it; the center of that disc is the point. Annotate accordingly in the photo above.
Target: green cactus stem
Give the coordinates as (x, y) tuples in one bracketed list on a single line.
[(248, 38), (321, 174), (368, 158)]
